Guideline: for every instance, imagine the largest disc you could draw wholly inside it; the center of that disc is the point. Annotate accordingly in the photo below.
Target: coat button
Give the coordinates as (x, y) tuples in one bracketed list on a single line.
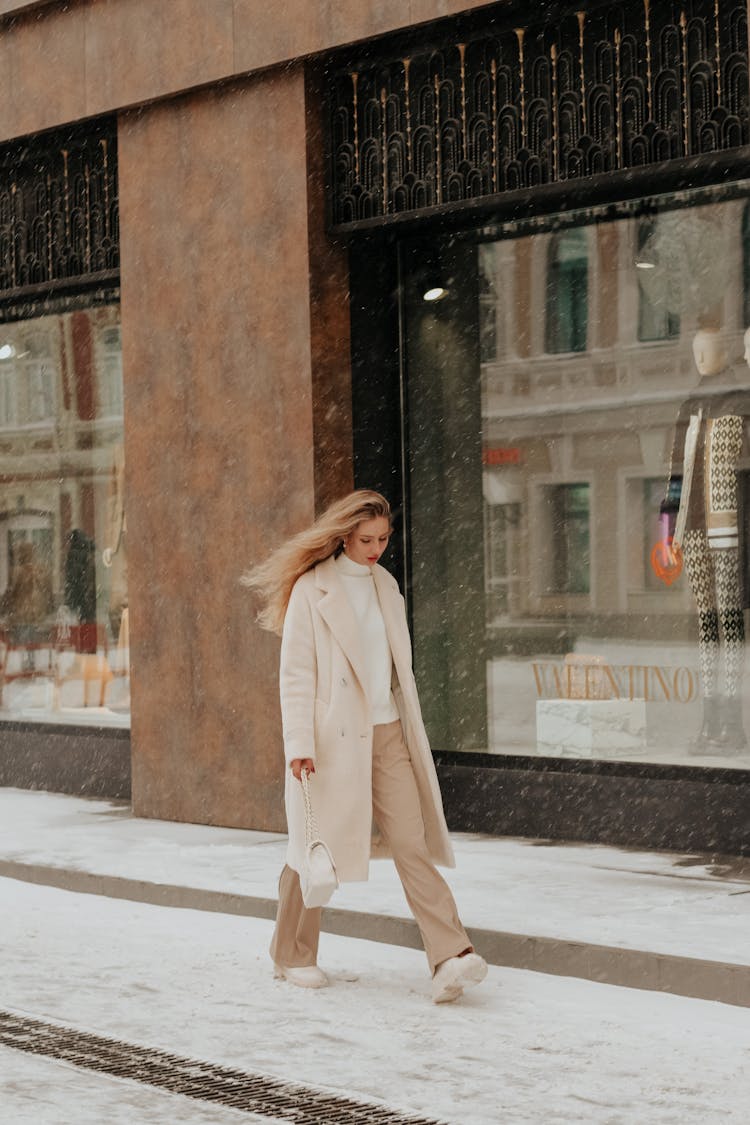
[(344, 681)]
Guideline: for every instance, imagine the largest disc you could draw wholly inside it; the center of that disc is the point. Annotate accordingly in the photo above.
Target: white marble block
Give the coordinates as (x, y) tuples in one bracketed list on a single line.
[(590, 728)]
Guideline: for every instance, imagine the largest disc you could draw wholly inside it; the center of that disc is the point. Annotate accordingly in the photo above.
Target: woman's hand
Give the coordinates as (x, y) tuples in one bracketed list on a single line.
[(300, 764)]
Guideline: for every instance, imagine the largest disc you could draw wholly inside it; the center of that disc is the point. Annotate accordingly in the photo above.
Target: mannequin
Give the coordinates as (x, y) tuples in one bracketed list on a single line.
[(710, 439)]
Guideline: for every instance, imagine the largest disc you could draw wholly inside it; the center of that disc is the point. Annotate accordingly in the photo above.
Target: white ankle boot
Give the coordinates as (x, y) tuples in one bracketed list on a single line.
[(304, 976), (456, 974)]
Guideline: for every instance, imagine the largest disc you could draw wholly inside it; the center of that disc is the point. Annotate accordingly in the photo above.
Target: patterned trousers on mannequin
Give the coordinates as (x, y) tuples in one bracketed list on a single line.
[(713, 575)]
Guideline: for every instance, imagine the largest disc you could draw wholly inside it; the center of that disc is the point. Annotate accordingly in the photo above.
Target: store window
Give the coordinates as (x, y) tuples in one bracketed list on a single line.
[(746, 262), (657, 319), (577, 496), (63, 574), (567, 291), (501, 565), (565, 521)]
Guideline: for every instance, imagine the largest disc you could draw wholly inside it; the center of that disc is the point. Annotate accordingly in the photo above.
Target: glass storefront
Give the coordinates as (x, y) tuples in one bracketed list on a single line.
[(63, 567), (577, 414)]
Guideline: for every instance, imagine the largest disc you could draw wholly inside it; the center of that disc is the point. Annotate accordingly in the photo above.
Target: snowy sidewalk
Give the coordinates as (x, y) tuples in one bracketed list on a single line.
[(523, 1049), (652, 920)]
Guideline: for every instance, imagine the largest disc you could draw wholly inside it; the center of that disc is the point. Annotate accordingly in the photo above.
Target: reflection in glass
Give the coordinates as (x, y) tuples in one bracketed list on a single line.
[(567, 521), (545, 462), (63, 605), (567, 291), (656, 320), (501, 522), (746, 263)]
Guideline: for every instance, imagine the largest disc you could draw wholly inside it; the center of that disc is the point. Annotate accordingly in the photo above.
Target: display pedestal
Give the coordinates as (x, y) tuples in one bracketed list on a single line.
[(590, 728)]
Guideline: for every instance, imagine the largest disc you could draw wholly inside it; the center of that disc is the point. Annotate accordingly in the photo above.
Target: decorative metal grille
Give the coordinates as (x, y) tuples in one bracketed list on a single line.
[(58, 209), (604, 89)]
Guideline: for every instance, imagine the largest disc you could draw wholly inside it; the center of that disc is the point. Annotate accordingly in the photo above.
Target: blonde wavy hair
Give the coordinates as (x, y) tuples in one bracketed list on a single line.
[(273, 579)]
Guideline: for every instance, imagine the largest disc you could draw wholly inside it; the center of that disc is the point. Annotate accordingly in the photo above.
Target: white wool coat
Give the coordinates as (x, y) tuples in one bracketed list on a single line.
[(326, 717)]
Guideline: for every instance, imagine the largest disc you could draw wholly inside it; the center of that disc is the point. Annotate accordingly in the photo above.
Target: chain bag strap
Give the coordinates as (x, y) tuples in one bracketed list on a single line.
[(318, 878)]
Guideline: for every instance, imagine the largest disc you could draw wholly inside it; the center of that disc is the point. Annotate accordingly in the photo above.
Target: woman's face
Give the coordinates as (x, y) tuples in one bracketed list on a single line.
[(367, 542)]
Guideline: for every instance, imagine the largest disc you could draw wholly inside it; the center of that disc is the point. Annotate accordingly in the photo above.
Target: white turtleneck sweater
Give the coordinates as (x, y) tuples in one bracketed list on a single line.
[(359, 585)]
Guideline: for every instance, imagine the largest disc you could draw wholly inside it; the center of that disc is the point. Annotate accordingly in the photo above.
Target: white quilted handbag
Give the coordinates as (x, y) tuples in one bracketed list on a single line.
[(318, 878)]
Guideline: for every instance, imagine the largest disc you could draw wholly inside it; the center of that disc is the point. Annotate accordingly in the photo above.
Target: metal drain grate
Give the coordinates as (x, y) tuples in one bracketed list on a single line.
[(254, 1093)]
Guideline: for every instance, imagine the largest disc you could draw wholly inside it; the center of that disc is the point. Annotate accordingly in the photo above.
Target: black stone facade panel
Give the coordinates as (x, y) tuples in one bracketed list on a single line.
[(627, 805), (81, 761)]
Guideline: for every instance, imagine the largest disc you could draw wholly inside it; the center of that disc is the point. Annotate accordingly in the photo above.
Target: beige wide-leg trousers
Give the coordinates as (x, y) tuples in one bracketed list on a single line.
[(396, 809)]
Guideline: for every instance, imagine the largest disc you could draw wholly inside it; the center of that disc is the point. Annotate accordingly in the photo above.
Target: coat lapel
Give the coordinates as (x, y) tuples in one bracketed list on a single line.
[(395, 624), (336, 610)]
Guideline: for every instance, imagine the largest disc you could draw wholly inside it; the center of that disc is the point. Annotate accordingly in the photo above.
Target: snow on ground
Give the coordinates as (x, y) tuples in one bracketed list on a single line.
[(38, 1091), (523, 1049), (659, 902)]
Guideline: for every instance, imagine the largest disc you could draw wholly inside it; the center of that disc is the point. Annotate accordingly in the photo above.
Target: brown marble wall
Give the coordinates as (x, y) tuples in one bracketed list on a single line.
[(50, 41), (330, 340), (106, 55), (216, 351), (14, 7)]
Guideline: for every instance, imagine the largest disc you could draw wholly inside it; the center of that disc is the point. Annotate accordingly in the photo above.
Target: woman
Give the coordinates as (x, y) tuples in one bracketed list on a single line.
[(351, 718)]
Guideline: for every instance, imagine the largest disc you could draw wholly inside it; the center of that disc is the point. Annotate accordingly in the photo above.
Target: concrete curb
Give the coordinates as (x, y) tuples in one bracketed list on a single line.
[(725, 982)]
